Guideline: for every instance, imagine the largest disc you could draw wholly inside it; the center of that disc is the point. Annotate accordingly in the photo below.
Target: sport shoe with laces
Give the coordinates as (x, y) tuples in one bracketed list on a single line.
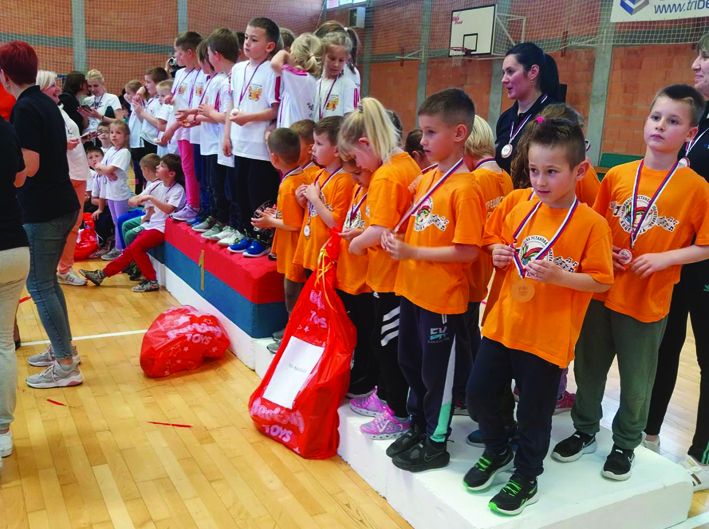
[(653, 445), (47, 358), (618, 464), (231, 238), (565, 402), (146, 286), (406, 441), (205, 225), (240, 246), (385, 426), (113, 254), (186, 214), (56, 376), (71, 278), (95, 276), (368, 405), (482, 474), (573, 447), (425, 455), (698, 472), (6, 444), (212, 232), (515, 496), (256, 249)]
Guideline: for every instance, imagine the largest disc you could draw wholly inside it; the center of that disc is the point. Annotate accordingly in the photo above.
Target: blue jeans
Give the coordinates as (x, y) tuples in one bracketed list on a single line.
[(46, 245)]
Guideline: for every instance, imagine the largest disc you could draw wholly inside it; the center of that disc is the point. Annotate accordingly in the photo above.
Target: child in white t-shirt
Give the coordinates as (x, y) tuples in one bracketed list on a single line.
[(165, 117), (336, 93), (299, 70), (254, 107), (150, 129), (114, 167), (132, 96)]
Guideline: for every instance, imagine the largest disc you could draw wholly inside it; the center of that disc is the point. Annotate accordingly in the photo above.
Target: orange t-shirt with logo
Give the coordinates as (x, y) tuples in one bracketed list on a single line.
[(352, 269), (335, 193), (494, 186), (678, 219), (291, 213), (587, 188), (548, 325), (388, 200), (453, 214)]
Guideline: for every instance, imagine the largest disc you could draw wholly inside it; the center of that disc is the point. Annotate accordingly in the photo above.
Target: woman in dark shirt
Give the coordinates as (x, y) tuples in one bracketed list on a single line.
[(49, 208), (14, 265), (690, 298), (531, 78), (74, 89)]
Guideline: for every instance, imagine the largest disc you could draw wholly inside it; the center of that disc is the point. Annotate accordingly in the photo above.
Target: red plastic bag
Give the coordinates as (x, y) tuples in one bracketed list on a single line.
[(181, 339), (297, 400), (86, 240)]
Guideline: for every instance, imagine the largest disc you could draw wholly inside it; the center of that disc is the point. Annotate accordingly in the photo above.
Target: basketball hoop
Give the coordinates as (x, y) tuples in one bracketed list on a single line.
[(461, 50)]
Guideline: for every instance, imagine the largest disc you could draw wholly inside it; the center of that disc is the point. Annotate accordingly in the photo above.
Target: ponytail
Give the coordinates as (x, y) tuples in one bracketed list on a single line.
[(370, 120), (528, 54)]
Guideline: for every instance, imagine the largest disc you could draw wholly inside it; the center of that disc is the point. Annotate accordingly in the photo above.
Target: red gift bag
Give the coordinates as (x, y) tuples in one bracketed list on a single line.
[(180, 339), (296, 403), (86, 240)]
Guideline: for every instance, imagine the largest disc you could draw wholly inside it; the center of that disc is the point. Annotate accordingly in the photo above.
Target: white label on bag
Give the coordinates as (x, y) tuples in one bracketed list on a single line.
[(292, 372)]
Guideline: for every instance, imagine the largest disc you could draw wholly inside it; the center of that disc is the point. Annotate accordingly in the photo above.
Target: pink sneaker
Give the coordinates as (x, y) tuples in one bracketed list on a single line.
[(385, 426), (565, 403), (368, 405)]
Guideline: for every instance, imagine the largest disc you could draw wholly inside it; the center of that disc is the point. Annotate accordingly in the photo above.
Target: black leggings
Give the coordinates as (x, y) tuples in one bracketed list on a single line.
[(689, 298)]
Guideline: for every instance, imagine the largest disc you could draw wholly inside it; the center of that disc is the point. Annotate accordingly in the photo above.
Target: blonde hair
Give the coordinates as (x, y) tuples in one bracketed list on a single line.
[(306, 52), (46, 78), (124, 127), (481, 141), (94, 75), (134, 85), (337, 38), (167, 83), (370, 121)]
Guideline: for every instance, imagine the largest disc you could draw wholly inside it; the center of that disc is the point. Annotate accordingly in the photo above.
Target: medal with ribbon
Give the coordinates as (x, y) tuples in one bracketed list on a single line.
[(355, 208), (311, 208), (506, 151), (684, 161), (521, 289)]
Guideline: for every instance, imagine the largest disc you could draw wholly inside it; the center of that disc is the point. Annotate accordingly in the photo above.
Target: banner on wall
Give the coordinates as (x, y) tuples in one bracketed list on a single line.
[(655, 10)]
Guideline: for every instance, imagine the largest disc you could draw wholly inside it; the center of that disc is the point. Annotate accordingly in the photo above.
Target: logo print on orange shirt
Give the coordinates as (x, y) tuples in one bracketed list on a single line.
[(622, 211), (255, 91), (425, 217), (357, 223), (332, 103), (533, 244)]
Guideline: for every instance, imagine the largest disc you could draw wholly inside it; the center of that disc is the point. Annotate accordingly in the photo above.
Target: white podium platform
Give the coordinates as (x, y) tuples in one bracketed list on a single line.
[(572, 495)]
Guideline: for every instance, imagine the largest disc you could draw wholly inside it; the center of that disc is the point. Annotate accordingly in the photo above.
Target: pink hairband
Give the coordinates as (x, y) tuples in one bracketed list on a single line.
[(539, 119)]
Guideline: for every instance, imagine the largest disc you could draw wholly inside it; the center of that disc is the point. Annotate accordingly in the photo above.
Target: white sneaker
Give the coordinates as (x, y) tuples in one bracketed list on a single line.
[(71, 278), (46, 358), (652, 445), (232, 238), (698, 472), (5, 444), (55, 376)]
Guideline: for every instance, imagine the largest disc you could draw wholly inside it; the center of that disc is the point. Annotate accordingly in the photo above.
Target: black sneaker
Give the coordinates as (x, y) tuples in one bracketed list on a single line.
[(618, 464), (572, 448), (406, 441), (425, 455), (483, 472), (475, 438), (95, 276), (515, 496)]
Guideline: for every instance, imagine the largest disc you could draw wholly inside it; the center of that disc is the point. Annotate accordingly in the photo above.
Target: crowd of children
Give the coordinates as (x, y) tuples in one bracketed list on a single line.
[(276, 150)]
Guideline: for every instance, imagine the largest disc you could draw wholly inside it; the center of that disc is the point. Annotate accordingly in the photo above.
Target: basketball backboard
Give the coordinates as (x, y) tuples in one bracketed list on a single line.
[(472, 31)]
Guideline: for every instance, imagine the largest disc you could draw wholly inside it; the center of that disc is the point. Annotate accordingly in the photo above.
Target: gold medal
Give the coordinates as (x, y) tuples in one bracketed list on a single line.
[(522, 290)]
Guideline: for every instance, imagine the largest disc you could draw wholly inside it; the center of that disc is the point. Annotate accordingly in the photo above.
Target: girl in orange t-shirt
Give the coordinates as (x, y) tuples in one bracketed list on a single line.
[(369, 136), (553, 255), (352, 285)]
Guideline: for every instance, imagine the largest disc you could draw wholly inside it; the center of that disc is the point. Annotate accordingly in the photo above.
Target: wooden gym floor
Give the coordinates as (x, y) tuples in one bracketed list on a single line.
[(89, 457)]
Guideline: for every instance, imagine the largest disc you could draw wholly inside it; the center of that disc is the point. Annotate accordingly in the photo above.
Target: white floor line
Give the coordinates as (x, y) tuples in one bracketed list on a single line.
[(695, 522), (91, 337)]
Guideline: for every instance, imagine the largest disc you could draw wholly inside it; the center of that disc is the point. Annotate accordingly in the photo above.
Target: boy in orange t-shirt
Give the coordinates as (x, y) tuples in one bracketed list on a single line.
[(551, 255), (657, 211), (325, 198), (287, 216), (443, 236)]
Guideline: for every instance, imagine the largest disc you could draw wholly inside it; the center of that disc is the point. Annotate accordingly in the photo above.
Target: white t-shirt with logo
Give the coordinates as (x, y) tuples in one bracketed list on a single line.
[(120, 159), (183, 96), (224, 98), (135, 125), (148, 131), (167, 114), (253, 90), (173, 195), (101, 105), (335, 97), (200, 85), (212, 133), (298, 96)]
